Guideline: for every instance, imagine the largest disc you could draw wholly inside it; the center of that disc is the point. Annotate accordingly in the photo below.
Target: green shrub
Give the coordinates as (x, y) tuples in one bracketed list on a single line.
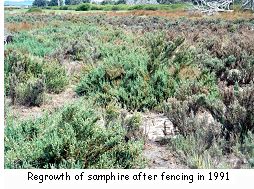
[(69, 138), (160, 49), (96, 7), (133, 128), (115, 8), (199, 143), (6, 84), (55, 77), (112, 113), (233, 120), (136, 80), (84, 7), (192, 152), (214, 64), (34, 10), (134, 122), (124, 80), (79, 51), (163, 84), (22, 65), (48, 8), (31, 93), (136, 7), (151, 7), (36, 46), (20, 69), (64, 8), (247, 148)]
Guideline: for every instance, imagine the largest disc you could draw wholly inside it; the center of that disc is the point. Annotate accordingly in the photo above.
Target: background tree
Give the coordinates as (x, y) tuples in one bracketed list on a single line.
[(172, 1), (40, 3), (72, 2), (76, 2), (120, 2), (108, 2), (56, 3)]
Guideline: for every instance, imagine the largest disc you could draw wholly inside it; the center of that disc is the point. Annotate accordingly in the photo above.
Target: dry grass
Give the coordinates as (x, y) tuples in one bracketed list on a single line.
[(189, 73), (160, 13), (171, 15), (23, 26), (235, 15), (182, 13)]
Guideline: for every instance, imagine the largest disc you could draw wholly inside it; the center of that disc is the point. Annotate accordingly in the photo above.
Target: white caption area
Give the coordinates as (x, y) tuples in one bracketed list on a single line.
[(127, 178)]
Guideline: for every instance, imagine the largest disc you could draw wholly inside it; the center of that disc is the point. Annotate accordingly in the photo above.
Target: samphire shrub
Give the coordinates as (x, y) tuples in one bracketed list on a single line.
[(24, 73), (55, 77), (136, 78), (31, 93), (69, 138), (28, 78), (227, 130)]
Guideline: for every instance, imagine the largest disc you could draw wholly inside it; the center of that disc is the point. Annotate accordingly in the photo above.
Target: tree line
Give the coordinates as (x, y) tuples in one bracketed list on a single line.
[(43, 3)]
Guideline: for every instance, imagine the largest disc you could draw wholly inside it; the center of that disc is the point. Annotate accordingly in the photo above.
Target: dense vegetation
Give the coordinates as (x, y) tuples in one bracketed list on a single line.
[(183, 68), (120, 7), (69, 138)]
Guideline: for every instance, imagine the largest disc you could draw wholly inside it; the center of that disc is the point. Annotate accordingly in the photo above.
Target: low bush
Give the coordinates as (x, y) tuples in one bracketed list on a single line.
[(199, 143), (248, 148), (34, 10), (31, 93), (132, 126), (84, 7), (64, 8), (55, 77), (19, 68), (135, 80), (229, 122), (48, 8), (70, 138), (136, 7), (24, 73), (37, 46), (115, 8), (96, 7), (150, 7), (22, 65), (191, 151)]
